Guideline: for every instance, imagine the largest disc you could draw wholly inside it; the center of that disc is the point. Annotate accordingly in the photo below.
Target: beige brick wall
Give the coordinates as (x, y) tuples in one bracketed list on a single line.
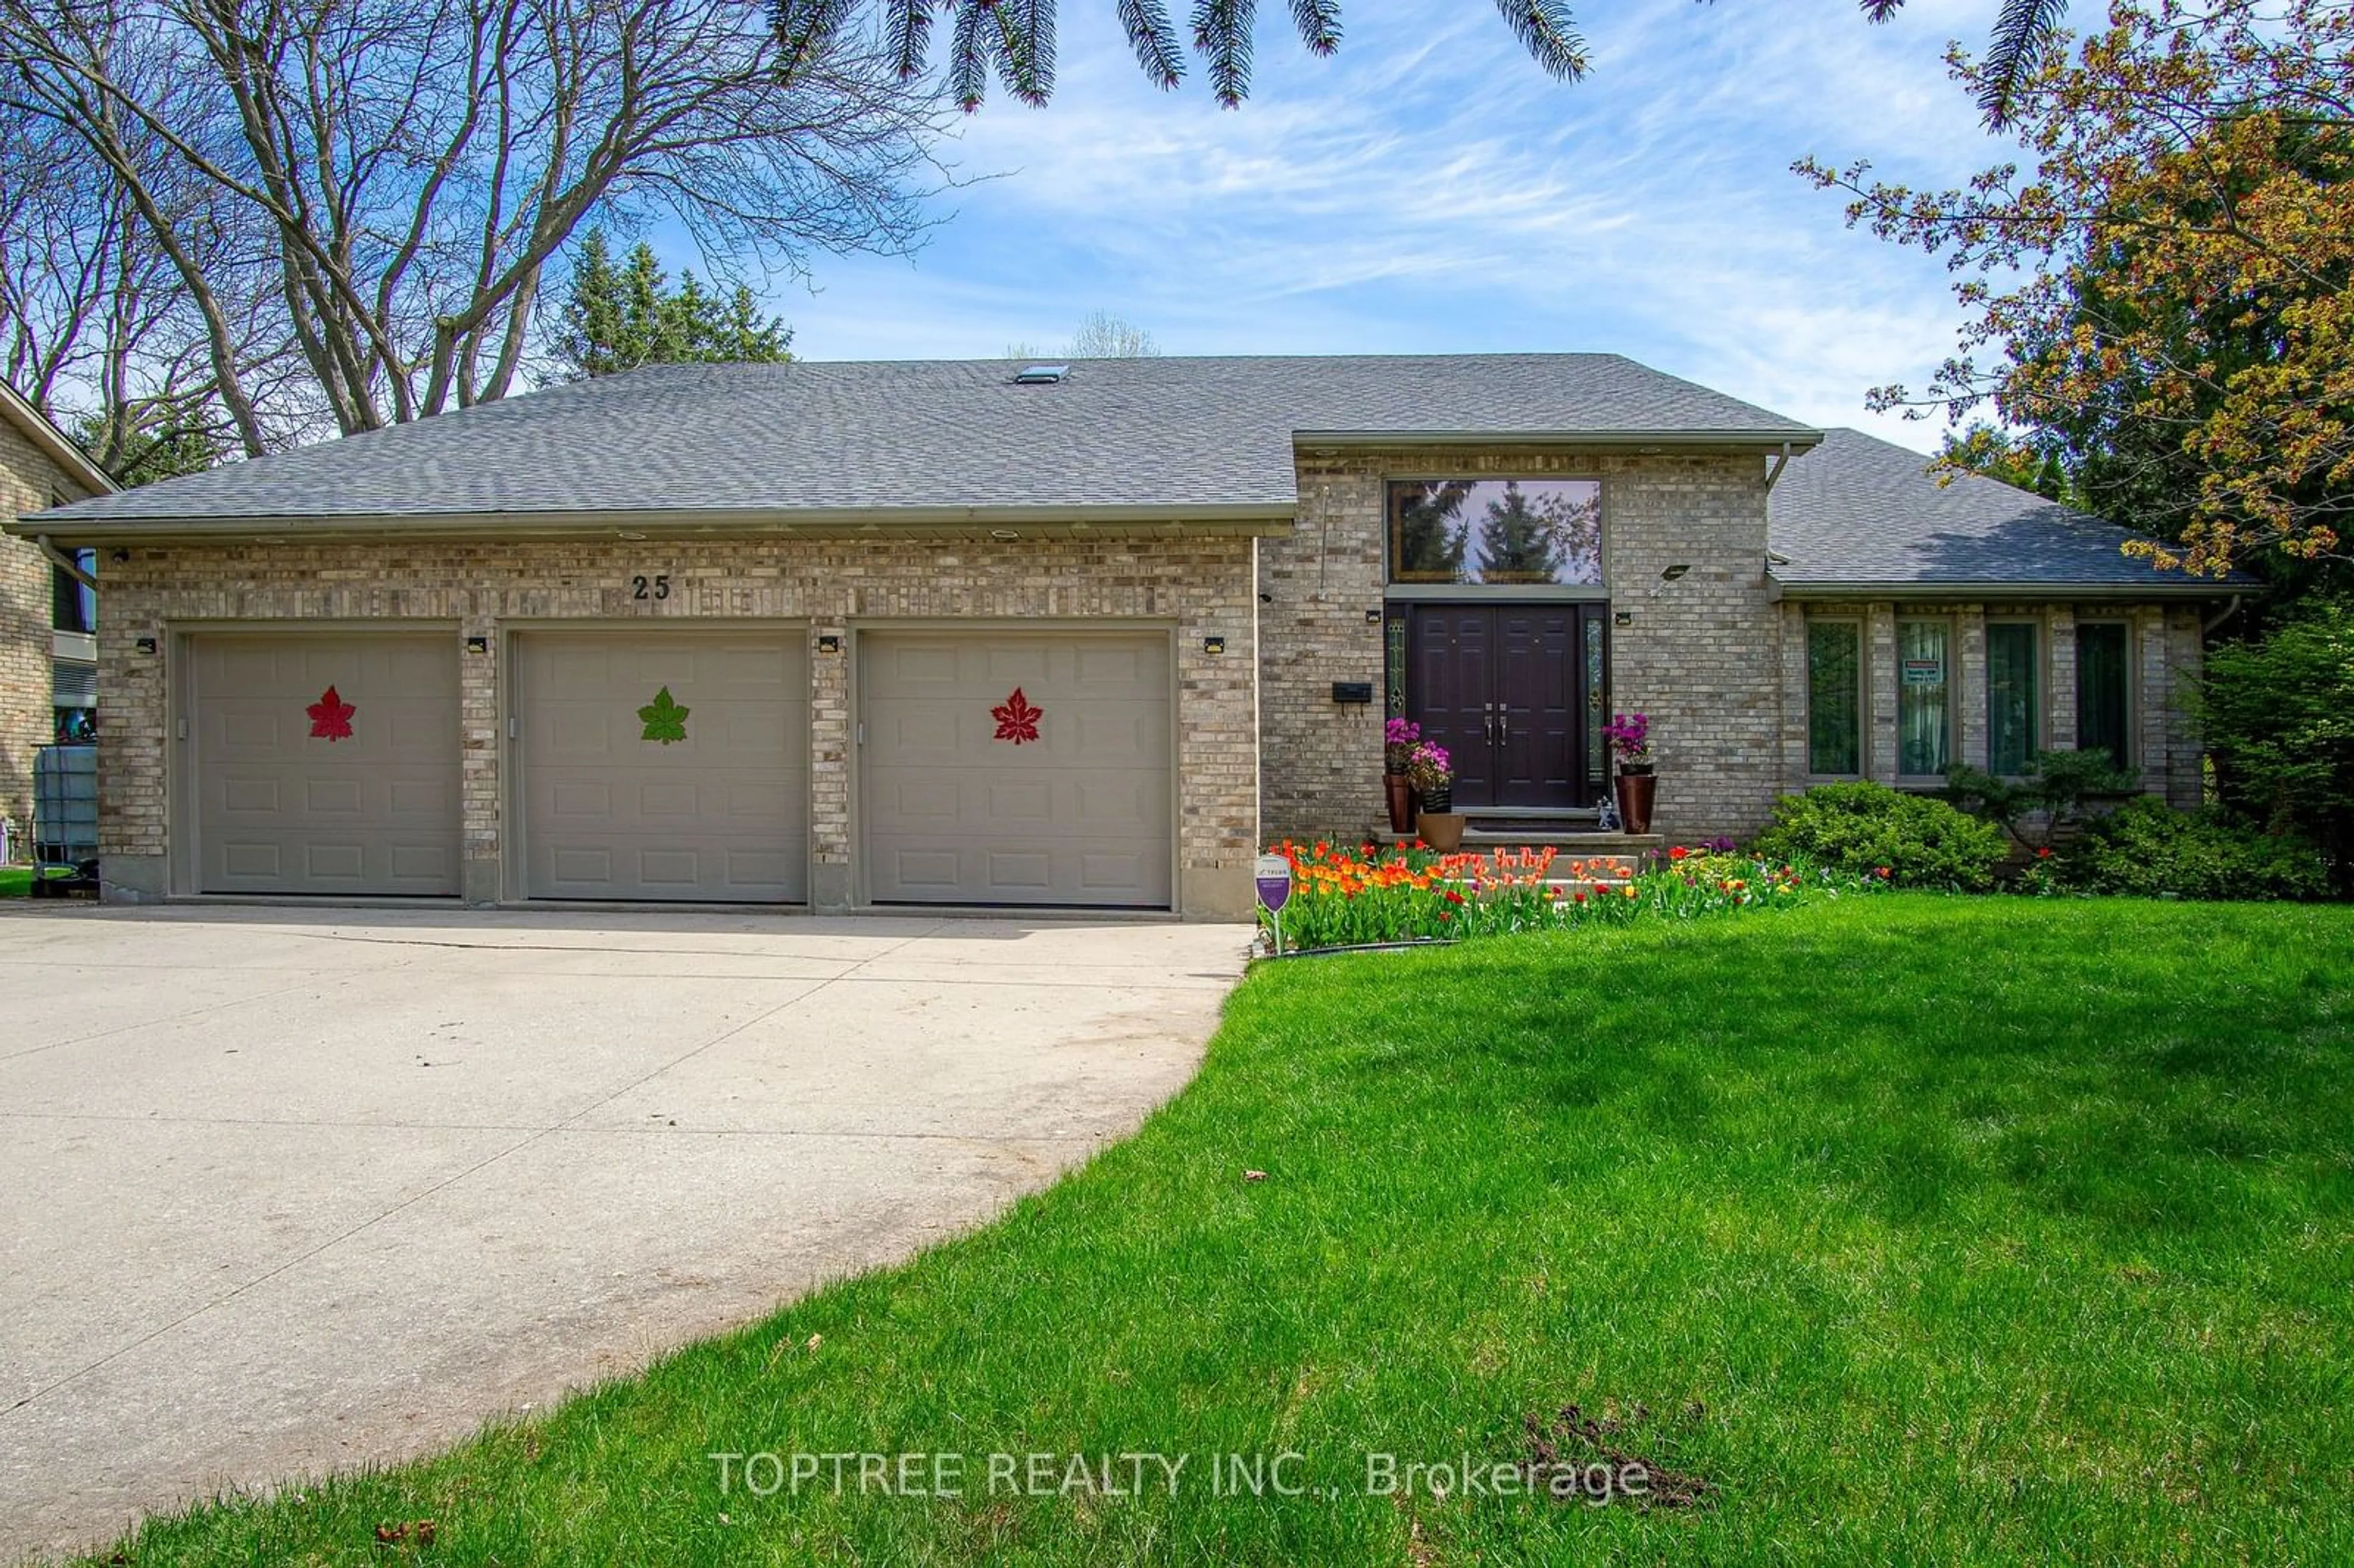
[(1265, 752), (1702, 655), (30, 480), (2167, 656), (1201, 586)]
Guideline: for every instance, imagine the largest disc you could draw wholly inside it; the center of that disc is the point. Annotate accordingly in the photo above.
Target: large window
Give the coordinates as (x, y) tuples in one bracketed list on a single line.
[(1835, 697), (1924, 709), (1497, 532), (2011, 697), (2102, 690), (73, 607)]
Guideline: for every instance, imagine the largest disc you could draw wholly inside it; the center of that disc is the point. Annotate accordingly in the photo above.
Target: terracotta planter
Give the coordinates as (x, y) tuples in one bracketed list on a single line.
[(1401, 794), (1635, 791), (1442, 830)]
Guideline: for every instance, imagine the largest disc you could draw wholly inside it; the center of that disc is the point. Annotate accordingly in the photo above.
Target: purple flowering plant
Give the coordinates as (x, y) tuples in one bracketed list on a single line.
[(1429, 768), (1398, 742), (1630, 739)]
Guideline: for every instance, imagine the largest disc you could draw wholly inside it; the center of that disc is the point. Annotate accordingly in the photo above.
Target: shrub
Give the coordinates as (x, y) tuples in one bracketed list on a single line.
[(2149, 848), (2279, 717), (1870, 830), (2053, 795)]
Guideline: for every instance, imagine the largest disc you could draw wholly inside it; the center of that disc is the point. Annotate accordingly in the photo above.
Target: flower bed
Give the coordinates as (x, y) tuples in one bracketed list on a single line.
[(1349, 897)]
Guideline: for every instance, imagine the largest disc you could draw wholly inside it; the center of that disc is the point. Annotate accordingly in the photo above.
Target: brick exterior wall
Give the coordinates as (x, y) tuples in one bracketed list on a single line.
[(2166, 655), (1714, 657), (30, 480), (1701, 655), (1200, 587)]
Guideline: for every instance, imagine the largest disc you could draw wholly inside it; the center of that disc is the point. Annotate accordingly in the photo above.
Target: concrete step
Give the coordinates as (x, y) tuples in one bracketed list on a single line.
[(1571, 845)]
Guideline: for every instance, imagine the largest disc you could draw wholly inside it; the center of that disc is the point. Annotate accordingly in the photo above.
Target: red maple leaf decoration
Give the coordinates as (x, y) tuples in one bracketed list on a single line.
[(330, 717), (1017, 721)]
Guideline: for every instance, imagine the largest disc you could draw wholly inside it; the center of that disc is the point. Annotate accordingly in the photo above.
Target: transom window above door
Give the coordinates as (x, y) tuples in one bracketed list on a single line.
[(1496, 531)]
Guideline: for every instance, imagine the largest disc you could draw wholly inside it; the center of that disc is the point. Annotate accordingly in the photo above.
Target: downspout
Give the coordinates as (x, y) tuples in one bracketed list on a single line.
[(2228, 610), (66, 563), (1779, 464)]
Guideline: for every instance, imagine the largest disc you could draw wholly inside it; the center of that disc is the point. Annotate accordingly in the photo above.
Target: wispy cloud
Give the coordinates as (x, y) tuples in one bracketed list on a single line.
[(1429, 190)]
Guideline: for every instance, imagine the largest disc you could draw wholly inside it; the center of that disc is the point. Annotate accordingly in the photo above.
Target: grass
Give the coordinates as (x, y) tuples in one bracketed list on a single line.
[(16, 881), (1925, 1229)]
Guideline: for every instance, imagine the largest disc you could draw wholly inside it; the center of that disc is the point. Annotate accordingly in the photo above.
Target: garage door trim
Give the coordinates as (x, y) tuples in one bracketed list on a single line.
[(1079, 628)]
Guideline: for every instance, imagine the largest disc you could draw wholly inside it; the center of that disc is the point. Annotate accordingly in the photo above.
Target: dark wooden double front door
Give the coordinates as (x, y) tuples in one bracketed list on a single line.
[(1515, 693)]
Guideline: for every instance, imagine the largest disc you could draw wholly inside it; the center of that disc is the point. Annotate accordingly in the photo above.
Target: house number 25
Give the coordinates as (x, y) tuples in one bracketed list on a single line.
[(650, 588)]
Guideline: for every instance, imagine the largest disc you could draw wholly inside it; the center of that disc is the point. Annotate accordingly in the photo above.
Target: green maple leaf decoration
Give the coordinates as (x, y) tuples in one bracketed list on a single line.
[(665, 720)]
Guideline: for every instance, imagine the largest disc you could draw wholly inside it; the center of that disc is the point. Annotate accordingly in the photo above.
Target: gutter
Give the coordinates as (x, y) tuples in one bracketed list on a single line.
[(1685, 439), (2207, 627), (65, 563), (2176, 587), (1264, 519)]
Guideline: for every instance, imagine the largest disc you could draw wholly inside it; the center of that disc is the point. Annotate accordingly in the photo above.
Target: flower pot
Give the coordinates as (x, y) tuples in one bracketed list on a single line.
[(1442, 830), (1634, 792), (1401, 801)]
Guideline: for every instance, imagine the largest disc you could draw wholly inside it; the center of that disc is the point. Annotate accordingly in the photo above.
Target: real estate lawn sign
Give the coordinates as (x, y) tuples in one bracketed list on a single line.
[(1274, 877)]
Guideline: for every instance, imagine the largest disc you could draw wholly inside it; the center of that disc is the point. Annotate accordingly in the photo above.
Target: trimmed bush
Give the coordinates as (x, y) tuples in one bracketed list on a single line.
[(2146, 847), (1870, 830)]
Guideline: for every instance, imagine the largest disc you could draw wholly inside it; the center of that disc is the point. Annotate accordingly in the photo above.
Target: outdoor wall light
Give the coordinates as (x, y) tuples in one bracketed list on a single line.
[(120, 556), (1671, 573), (1373, 618), (1213, 644), (827, 642), (145, 645), (478, 644)]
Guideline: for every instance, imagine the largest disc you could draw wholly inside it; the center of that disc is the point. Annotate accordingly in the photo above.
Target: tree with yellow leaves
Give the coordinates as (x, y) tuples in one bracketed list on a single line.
[(2162, 300)]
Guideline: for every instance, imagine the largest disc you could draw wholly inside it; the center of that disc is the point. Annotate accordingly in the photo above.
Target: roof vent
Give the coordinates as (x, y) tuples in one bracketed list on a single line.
[(1041, 375)]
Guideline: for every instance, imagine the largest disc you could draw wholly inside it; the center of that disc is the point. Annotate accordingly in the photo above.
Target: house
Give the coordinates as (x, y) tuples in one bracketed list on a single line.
[(992, 633), (48, 654)]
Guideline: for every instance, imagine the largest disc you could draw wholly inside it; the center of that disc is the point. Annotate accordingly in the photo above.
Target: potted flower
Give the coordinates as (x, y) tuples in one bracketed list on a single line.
[(1398, 746), (1631, 741), (1432, 773)]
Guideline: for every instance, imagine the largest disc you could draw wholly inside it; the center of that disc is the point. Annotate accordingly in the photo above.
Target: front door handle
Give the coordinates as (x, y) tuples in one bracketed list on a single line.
[(1487, 722), (1503, 722)]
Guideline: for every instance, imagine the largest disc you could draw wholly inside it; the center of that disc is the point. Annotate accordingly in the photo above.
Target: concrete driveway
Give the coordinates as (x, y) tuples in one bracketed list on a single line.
[(284, 1192)]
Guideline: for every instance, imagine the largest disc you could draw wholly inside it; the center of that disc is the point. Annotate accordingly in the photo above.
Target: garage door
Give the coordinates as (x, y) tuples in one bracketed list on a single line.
[(326, 763), (664, 765), (1020, 769)]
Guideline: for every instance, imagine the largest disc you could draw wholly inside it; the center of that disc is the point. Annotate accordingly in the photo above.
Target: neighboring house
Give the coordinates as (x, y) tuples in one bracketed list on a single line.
[(979, 634), (48, 651)]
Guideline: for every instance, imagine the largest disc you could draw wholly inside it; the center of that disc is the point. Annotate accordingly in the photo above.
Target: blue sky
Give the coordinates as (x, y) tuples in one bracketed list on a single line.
[(1428, 190)]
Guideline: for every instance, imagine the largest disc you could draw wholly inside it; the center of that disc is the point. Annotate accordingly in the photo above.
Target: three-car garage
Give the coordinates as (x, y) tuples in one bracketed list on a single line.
[(989, 767)]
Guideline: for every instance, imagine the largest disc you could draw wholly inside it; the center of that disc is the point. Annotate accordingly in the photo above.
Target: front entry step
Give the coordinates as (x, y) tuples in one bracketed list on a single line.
[(1566, 841)]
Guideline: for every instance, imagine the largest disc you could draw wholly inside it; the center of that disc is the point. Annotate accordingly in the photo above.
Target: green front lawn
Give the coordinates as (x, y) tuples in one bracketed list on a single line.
[(1919, 1229)]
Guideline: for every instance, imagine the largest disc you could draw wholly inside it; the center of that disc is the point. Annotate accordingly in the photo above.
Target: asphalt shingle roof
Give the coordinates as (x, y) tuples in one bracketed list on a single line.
[(1857, 510), (1199, 435)]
